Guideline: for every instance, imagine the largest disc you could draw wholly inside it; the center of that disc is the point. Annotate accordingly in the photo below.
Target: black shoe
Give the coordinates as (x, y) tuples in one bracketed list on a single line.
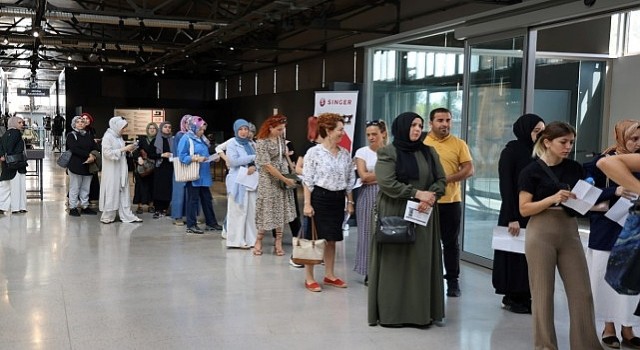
[(157, 215), (633, 343), (517, 308), (453, 289), (611, 341), (215, 227), (74, 212), (195, 229), (89, 211)]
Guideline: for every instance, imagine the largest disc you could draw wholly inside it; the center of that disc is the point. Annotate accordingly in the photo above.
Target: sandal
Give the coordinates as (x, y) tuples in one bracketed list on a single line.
[(278, 245), (257, 248)]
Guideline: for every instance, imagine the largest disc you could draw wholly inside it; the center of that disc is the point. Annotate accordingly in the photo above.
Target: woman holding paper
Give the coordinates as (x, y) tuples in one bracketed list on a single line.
[(552, 240), (510, 276), (406, 286), (241, 204), (161, 150), (611, 307)]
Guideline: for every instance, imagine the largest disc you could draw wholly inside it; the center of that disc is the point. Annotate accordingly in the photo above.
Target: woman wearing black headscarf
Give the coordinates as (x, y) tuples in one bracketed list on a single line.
[(406, 285), (13, 183), (163, 174), (510, 276)]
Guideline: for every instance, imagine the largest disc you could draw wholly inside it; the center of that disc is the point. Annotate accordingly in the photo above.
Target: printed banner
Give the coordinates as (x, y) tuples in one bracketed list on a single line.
[(344, 103)]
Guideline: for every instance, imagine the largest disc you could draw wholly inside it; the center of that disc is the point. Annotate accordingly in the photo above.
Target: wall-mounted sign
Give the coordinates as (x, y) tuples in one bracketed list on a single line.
[(33, 92), (139, 118)]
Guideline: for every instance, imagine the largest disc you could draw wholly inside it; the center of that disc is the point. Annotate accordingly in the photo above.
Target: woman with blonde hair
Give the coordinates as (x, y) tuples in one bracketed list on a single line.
[(365, 158), (328, 182), (553, 242), (274, 205), (611, 307)]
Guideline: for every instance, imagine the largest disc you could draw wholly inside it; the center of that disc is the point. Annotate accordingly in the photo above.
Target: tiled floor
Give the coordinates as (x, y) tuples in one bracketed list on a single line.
[(74, 283)]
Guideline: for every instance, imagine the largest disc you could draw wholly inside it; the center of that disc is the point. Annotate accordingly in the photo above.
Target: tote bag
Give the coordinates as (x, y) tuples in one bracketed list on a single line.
[(623, 267), (186, 172), (308, 251)]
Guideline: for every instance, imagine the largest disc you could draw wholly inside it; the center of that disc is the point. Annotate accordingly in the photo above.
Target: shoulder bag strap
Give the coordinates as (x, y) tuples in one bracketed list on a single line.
[(550, 173)]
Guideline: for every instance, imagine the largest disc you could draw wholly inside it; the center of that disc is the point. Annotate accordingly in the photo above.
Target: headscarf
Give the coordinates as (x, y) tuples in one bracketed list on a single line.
[(12, 123), (159, 144), (406, 164), (73, 125), (149, 136), (184, 123), (116, 124), (195, 123), (622, 131), (523, 127), (243, 141), (89, 117), (252, 129)]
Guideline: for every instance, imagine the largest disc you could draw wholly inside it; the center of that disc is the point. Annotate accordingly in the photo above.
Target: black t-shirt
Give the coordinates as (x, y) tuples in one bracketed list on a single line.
[(534, 179)]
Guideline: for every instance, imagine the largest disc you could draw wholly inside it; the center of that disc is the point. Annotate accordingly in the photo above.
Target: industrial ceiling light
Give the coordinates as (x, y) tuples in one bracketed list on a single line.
[(35, 32), (142, 24), (75, 67), (101, 69), (191, 26), (104, 46), (69, 58), (6, 40), (124, 70), (121, 23)]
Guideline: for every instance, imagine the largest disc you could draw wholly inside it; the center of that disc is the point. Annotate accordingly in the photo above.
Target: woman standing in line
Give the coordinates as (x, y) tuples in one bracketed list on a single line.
[(198, 192), (406, 286), (241, 204), (144, 183), (274, 205), (366, 158), (80, 143), (510, 275), (13, 182), (328, 181), (162, 151), (114, 187), (178, 194), (611, 307), (94, 191), (553, 241)]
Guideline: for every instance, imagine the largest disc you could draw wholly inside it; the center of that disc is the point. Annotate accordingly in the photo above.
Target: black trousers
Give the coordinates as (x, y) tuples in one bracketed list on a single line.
[(450, 216)]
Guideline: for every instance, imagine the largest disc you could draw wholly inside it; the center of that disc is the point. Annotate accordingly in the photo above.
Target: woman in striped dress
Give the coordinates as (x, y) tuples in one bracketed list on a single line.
[(365, 160)]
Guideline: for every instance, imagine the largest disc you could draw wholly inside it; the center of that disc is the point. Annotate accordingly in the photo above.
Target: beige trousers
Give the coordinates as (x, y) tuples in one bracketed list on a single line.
[(552, 241)]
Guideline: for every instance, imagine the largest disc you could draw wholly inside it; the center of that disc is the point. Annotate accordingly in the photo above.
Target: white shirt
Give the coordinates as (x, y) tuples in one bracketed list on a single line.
[(369, 156), (334, 173)]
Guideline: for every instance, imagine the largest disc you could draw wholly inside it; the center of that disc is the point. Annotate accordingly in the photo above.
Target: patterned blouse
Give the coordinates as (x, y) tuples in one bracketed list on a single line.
[(334, 173)]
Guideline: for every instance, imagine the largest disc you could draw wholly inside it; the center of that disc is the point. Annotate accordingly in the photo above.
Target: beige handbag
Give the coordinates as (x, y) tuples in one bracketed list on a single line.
[(186, 172), (308, 252)]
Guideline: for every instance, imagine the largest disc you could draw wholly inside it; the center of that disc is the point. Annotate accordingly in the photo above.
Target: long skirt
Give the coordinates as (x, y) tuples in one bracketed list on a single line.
[(364, 211), (241, 221), (608, 304)]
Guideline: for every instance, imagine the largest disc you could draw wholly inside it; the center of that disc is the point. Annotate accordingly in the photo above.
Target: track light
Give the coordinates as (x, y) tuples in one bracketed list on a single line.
[(69, 58), (141, 48), (191, 26), (35, 33), (74, 19), (121, 23), (124, 70), (104, 46), (142, 24), (95, 46), (101, 69), (75, 67)]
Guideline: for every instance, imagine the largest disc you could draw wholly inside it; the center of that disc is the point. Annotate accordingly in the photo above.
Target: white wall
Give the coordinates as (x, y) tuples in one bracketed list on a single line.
[(625, 100)]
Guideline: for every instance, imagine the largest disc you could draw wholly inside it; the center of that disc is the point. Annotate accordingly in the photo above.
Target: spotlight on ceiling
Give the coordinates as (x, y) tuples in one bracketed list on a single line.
[(6, 40), (121, 23), (74, 19), (124, 70), (69, 58), (75, 67), (142, 24), (155, 74), (101, 69), (191, 26), (35, 32), (104, 46)]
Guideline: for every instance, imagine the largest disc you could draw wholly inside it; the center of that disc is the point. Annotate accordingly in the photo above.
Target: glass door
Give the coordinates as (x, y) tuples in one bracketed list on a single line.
[(495, 100)]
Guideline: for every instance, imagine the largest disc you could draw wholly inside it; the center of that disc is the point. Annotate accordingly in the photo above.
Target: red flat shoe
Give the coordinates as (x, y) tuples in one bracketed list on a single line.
[(336, 282), (312, 287)]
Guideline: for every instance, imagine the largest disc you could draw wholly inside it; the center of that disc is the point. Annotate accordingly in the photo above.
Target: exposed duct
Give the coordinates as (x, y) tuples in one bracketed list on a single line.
[(81, 44), (114, 20)]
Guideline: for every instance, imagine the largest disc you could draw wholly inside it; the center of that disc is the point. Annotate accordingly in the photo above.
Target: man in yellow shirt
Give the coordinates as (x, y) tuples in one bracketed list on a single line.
[(457, 163)]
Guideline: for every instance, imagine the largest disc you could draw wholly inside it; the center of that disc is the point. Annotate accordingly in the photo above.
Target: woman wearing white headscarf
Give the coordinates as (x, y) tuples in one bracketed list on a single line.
[(114, 187), (80, 142), (13, 183)]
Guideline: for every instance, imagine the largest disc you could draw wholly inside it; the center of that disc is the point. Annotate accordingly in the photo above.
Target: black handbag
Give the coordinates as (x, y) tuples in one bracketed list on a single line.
[(395, 230), (295, 177), (15, 161)]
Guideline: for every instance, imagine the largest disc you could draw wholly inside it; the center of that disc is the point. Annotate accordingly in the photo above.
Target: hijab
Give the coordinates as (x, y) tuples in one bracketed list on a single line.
[(159, 144), (73, 125), (12, 123), (243, 141), (622, 131), (406, 164), (149, 136), (523, 127), (116, 124), (184, 123), (195, 123), (89, 117)]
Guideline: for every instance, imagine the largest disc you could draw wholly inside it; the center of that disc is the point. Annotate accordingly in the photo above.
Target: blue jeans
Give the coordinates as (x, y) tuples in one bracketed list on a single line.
[(197, 196), (178, 200)]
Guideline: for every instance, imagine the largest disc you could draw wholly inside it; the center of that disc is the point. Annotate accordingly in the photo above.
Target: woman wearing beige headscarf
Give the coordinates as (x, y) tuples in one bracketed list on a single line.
[(114, 187), (13, 187)]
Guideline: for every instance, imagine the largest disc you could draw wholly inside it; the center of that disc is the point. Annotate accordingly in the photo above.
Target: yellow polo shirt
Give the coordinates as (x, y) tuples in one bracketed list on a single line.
[(452, 152)]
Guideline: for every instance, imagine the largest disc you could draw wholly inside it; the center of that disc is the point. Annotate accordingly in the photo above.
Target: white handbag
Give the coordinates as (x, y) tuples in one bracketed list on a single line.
[(308, 252), (186, 172)]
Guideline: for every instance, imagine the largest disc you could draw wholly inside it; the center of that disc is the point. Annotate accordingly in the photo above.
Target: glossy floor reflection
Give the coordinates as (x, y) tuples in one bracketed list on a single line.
[(74, 283)]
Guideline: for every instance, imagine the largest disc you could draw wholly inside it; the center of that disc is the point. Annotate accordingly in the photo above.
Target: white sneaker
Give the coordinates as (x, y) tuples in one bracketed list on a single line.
[(293, 264)]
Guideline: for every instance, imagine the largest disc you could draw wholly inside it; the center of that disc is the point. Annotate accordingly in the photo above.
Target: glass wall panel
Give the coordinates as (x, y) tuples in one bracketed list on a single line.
[(495, 102)]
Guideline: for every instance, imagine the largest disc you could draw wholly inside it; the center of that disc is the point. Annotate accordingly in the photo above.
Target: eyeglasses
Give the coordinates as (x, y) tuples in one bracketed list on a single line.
[(378, 122)]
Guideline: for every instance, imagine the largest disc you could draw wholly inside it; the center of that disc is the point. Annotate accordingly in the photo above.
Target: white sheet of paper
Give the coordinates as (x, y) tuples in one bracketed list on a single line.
[(246, 180), (412, 214), (586, 197), (503, 240), (619, 211), (213, 157)]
